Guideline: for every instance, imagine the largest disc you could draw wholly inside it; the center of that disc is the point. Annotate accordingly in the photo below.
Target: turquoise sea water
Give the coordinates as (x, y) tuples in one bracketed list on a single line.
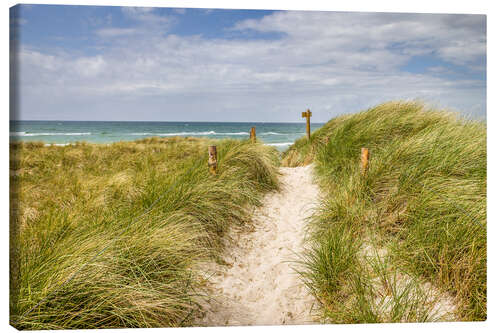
[(280, 135)]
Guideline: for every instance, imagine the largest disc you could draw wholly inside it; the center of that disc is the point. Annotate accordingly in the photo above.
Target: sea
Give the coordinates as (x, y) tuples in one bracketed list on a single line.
[(279, 135)]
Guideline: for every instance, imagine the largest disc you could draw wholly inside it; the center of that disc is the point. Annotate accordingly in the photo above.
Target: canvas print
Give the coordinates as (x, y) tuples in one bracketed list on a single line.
[(175, 167)]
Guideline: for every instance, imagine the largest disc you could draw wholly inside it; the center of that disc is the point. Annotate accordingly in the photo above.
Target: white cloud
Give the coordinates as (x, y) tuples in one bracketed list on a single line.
[(137, 10), (330, 62), (89, 66), (146, 15), (456, 38), (115, 32)]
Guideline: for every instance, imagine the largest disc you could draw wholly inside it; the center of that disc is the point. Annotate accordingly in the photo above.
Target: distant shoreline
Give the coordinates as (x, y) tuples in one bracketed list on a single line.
[(280, 135), (169, 121)]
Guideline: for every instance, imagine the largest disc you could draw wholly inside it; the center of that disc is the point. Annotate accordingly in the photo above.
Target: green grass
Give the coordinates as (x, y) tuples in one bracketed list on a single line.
[(422, 201), (69, 203)]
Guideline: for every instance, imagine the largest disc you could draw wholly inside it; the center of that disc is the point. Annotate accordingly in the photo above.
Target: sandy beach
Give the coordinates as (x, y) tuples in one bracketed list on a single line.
[(258, 285)]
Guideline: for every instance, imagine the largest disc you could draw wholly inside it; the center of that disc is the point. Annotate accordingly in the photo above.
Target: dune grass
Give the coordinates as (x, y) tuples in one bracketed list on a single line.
[(406, 242), (81, 208)]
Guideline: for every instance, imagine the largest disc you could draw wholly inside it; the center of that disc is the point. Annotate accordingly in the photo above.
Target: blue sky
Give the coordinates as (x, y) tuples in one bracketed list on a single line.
[(133, 63)]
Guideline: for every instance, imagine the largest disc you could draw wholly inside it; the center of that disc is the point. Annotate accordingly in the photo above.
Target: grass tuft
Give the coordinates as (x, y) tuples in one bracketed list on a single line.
[(422, 201), (69, 203)]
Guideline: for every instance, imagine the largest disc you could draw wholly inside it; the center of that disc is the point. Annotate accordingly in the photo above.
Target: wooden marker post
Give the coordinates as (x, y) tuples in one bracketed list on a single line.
[(307, 115), (212, 159), (365, 157), (253, 137)]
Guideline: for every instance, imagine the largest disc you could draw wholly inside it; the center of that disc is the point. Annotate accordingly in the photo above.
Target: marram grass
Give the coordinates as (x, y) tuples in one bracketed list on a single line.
[(422, 203), (69, 203)]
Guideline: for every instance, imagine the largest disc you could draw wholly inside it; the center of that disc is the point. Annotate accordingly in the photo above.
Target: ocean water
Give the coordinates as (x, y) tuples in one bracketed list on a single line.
[(280, 135)]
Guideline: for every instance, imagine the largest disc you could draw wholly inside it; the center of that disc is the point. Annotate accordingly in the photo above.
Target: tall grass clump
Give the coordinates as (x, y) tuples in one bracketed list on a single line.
[(422, 204), (108, 236)]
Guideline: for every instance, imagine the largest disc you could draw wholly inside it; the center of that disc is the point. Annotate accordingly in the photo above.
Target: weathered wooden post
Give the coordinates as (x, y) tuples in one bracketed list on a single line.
[(307, 115), (212, 159), (365, 157), (252, 135)]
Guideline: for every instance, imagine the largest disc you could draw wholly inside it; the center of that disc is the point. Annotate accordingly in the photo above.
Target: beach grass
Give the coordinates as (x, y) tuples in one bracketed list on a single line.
[(110, 236), (406, 241)]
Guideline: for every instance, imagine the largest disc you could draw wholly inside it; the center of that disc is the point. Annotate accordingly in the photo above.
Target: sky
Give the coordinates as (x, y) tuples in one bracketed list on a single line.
[(173, 64)]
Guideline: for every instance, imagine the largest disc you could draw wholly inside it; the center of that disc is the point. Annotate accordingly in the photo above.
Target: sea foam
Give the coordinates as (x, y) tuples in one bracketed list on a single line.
[(46, 134), (190, 133)]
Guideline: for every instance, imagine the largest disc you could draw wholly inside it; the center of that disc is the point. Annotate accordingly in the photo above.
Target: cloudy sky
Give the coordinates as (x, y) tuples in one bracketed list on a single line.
[(129, 63)]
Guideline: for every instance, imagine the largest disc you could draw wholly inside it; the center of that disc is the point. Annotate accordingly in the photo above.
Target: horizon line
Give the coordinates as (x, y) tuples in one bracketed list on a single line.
[(175, 121)]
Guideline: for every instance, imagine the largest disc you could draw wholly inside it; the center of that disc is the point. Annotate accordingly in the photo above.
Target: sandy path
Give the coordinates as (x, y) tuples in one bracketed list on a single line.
[(258, 286)]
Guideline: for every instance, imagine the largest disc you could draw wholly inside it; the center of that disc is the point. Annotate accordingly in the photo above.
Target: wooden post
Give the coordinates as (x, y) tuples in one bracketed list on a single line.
[(365, 157), (307, 115), (212, 159), (252, 134)]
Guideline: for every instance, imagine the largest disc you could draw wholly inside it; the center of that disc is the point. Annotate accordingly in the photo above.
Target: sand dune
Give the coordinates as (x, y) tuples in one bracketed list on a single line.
[(257, 285)]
